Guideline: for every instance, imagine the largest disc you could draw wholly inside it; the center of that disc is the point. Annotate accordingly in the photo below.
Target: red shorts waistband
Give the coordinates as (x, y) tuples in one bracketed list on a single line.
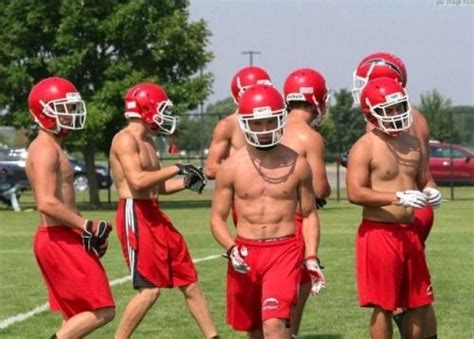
[(368, 222), (267, 241)]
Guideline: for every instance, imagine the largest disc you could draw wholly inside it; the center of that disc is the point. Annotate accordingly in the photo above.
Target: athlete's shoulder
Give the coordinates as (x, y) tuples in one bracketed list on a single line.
[(123, 140), (43, 147), (226, 125)]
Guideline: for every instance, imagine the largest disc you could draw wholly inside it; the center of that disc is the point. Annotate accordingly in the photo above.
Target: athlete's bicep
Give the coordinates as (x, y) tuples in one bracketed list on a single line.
[(358, 174), (127, 152), (218, 150), (223, 194), (306, 195), (315, 158), (45, 169)]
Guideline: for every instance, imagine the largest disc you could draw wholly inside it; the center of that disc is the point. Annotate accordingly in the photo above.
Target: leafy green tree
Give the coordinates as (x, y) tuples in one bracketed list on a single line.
[(344, 124), (103, 47), (464, 115), (195, 131), (439, 113)]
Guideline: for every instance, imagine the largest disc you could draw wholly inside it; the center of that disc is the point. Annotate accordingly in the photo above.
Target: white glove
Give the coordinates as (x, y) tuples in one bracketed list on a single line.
[(412, 198), (317, 277), (433, 196), (236, 256)]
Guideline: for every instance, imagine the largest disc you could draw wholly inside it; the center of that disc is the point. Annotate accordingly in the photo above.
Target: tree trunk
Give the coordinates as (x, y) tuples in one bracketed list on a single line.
[(89, 158)]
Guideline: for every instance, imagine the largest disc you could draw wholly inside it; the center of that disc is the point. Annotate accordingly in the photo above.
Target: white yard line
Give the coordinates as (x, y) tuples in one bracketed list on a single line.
[(18, 318)]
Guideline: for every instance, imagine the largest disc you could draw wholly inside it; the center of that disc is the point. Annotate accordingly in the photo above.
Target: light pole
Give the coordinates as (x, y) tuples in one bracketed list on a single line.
[(251, 53)]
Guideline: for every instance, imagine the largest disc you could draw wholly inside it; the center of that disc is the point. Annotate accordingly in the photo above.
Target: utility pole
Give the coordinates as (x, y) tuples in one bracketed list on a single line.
[(251, 53)]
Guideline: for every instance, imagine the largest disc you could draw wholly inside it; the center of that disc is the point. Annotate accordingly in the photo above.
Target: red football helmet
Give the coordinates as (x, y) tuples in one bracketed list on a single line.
[(376, 65), (372, 70), (150, 103), (389, 58), (261, 102), (385, 104), (306, 84), (56, 105), (246, 77)]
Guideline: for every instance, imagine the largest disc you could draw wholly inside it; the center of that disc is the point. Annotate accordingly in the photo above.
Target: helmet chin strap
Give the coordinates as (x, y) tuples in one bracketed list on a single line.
[(266, 148)]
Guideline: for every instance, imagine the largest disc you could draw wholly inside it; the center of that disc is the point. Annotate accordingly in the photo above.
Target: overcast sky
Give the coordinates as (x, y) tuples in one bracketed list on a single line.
[(434, 38)]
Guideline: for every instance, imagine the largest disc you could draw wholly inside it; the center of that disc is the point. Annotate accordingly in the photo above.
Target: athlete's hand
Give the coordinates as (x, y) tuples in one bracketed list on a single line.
[(317, 277), (433, 196), (320, 203), (236, 256), (194, 178), (94, 236), (411, 198)]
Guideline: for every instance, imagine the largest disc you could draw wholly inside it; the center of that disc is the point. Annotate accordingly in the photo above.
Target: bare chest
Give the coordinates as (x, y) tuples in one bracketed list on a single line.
[(389, 163), (148, 156), (263, 183)]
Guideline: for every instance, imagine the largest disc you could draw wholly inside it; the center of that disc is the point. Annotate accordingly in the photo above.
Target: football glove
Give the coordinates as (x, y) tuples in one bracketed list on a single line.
[(411, 198), (317, 277), (433, 196), (320, 203), (236, 256), (194, 178), (94, 236)]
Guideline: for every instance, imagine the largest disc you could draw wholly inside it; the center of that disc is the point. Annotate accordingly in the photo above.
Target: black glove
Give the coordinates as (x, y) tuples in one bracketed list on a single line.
[(94, 236), (320, 203), (194, 178), (344, 159)]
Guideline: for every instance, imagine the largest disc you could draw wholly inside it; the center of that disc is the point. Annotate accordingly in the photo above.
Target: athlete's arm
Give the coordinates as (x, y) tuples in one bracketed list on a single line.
[(45, 168), (422, 131), (127, 152), (315, 158), (358, 175), (221, 204), (219, 149), (311, 230)]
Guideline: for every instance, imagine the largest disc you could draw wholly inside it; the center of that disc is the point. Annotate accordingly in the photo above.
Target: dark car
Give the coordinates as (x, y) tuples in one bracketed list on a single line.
[(15, 160), (80, 177), (460, 170)]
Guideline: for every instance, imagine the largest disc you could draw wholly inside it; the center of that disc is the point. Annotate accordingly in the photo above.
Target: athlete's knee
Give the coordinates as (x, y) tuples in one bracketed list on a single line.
[(192, 290), (107, 314), (273, 327), (150, 294)]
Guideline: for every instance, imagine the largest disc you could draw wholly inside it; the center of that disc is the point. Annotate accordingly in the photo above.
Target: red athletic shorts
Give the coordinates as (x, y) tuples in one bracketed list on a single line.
[(269, 289), (304, 277), (154, 250), (391, 266), (75, 279), (423, 221)]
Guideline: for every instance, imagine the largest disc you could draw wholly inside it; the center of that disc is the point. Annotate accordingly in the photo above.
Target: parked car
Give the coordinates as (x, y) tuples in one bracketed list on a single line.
[(15, 159), (80, 178), (462, 164), (12, 184)]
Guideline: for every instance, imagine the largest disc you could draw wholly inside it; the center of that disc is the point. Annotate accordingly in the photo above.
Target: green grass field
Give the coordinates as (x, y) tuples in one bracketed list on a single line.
[(334, 314)]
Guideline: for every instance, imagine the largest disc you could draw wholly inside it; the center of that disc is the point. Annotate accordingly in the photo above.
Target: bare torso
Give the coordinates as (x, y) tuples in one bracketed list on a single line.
[(64, 188), (265, 191), (148, 161), (393, 167), (308, 143), (237, 139)]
